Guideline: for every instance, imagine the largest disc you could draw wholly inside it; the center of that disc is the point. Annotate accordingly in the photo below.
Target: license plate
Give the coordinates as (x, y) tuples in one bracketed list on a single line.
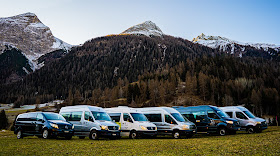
[(114, 134), (66, 131)]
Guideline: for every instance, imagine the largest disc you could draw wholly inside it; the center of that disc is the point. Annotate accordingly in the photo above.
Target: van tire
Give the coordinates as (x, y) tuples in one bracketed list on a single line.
[(46, 134), (250, 130), (222, 131), (93, 135), (133, 135), (19, 134), (176, 134), (82, 137)]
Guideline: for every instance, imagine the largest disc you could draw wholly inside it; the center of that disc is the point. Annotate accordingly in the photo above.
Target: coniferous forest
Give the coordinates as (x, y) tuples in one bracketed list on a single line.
[(152, 71)]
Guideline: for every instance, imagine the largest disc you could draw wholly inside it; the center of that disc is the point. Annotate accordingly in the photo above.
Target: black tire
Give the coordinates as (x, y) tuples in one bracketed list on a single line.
[(68, 137), (94, 135), (133, 135), (46, 134), (250, 130), (19, 134), (222, 131), (176, 134), (82, 137)]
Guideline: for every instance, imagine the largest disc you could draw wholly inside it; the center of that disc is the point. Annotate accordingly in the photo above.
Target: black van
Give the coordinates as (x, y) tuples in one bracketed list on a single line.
[(43, 124), (210, 119)]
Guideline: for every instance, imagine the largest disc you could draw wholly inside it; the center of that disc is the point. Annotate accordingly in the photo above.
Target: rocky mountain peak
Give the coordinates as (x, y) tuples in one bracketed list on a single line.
[(147, 28)]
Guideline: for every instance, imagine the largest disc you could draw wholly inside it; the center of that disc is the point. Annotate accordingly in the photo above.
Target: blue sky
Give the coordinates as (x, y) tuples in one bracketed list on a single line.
[(76, 21)]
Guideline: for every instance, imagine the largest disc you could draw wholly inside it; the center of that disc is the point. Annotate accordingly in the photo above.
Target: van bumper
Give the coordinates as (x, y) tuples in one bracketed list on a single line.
[(106, 133), (62, 133), (147, 133), (233, 127), (188, 132)]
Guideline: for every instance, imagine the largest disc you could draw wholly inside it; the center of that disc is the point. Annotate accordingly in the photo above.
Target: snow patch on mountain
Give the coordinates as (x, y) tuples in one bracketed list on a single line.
[(147, 28), (222, 43)]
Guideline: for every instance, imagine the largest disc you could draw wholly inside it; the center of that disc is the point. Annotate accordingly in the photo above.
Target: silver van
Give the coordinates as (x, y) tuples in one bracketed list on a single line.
[(90, 121), (247, 120), (169, 121)]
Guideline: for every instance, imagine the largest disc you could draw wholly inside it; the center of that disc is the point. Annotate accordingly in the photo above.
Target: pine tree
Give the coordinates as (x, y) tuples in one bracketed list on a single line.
[(3, 120)]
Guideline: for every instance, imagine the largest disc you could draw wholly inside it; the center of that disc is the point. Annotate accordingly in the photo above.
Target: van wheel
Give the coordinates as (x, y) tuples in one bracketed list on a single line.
[(81, 137), (93, 135), (250, 130), (19, 134), (133, 135), (45, 134), (222, 131), (176, 135)]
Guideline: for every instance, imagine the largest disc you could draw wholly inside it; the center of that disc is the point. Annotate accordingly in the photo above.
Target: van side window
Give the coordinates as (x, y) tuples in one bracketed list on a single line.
[(126, 117), (22, 117), (189, 116), (168, 119), (66, 115), (154, 117), (32, 116), (240, 115), (213, 115), (199, 115), (76, 116), (86, 115), (115, 116), (229, 114), (40, 117)]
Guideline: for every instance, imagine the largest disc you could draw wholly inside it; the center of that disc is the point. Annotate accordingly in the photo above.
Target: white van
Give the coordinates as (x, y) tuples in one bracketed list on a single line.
[(169, 121), (247, 120), (133, 123), (90, 121)]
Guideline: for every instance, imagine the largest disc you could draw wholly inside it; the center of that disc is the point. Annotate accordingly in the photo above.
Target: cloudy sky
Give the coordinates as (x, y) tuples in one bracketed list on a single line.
[(76, 21)]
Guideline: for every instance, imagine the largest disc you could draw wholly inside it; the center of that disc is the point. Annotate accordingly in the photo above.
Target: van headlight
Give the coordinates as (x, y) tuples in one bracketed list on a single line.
[(54, 125), (143, 128), (73, 127), (259, 123), (104, 127), (229, 122), (186, 127)]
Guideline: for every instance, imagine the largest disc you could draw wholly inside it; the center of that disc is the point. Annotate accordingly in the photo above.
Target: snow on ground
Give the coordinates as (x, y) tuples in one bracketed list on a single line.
[(26, 107), (59, 44)]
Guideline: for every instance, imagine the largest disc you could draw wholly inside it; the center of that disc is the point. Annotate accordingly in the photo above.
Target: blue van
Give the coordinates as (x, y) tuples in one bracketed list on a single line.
[(210, 119), (43, 124)]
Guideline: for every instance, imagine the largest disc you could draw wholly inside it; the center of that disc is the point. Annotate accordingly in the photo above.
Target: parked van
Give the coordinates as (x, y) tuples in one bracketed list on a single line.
[(247, 120), (133, 123), (90, 121), (169, 121), (210, 119), (42, 124)]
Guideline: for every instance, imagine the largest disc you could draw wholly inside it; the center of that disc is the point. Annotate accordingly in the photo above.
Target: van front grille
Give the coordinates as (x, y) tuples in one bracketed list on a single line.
[(64, 127), (192, 127), (151, 128), (113, 128)]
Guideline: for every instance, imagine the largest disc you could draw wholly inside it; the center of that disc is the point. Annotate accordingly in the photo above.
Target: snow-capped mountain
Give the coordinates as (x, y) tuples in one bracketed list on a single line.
[(30, 35), (231, 46), (147, 28)]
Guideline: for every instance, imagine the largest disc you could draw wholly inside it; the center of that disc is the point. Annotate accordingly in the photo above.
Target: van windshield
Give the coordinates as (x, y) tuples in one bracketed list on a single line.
[(101, 116), (222, 114), (178, 117), (139, 117), (249, 114), (52, 116)]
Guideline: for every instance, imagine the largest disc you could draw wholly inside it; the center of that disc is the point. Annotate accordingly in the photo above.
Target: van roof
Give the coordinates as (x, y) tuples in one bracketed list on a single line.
[(82, 107), (236, 108), (195, 108), (122, 109), (164, 109)]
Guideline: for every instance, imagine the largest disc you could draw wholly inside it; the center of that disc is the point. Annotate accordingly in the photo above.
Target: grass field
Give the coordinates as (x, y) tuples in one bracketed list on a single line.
[(265, 143)]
